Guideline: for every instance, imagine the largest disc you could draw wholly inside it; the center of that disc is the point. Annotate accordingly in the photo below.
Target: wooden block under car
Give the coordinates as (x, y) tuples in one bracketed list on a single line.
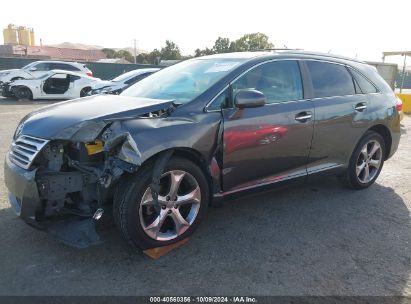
[(158, 252)]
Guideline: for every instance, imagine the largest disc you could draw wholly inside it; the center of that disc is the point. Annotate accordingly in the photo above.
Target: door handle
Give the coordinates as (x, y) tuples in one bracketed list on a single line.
[(303, 116), (360, 106)]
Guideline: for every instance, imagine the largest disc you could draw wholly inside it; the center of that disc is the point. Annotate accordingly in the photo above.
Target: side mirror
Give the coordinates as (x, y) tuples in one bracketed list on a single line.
[(33, 69), (249, 99)]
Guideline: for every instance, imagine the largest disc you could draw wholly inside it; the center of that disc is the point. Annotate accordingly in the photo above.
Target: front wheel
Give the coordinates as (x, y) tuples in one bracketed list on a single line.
[(182, 203), (366, 162), (85, 91), (23, 93)]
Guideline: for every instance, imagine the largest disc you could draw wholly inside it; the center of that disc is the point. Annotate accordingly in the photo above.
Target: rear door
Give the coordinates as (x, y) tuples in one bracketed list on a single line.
[(271, 143), (340, 115)]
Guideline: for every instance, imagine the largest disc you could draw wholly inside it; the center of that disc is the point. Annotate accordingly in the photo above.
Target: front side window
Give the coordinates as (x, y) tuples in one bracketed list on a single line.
[(279, 81), (221, 102), (330, 79), (42, 67), (183, 81)]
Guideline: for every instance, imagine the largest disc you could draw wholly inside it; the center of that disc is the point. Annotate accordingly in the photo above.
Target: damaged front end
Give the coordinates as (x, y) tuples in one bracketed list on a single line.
[(63, 184)]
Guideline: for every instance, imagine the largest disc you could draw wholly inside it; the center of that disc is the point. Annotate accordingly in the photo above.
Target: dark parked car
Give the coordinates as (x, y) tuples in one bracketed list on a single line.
[(195, 132), (121, 82)]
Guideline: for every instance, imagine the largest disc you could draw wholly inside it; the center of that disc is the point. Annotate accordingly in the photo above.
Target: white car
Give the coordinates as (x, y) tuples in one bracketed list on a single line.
[(38, 68), (56, 84), (122, 82)]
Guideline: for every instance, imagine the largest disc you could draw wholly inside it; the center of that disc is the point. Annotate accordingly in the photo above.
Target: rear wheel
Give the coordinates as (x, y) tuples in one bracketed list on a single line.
[(23, 93), (366, 162), (182, 202)]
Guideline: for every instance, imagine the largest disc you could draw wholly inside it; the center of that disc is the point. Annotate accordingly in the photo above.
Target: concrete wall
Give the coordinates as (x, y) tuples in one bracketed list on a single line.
[(388, 71)]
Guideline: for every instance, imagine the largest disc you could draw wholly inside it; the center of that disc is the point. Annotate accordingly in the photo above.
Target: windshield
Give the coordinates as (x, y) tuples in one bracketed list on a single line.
[(184, 81), (29, 65), (125, 76)]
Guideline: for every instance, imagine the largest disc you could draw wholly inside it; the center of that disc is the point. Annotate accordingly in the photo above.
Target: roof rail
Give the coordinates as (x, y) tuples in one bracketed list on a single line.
[(277, 49), (302, 52)]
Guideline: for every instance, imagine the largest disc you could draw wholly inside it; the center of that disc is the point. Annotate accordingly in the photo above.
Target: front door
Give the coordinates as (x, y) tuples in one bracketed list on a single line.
[(270, 143), (56, 86)]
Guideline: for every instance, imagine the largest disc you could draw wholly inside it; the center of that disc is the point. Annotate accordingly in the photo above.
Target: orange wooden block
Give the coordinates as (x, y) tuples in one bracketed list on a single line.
[(158, 252)]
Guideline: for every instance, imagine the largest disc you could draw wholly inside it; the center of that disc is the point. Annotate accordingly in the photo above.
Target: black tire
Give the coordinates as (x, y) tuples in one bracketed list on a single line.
[(84, 91), (130, 192), (350, 178), (23, 93)]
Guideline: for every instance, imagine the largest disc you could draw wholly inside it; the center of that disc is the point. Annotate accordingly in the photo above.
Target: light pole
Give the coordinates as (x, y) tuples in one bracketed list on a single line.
[(404, 67), (135, 51)]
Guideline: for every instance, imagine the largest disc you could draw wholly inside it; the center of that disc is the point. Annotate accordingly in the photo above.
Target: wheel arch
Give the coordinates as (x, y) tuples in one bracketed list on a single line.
[(188, 153), (88, 87), (385, 134), (17, 78), (19, 87)]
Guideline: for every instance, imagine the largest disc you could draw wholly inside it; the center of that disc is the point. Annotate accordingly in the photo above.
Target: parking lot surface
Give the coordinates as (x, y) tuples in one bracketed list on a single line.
[(314, 239)]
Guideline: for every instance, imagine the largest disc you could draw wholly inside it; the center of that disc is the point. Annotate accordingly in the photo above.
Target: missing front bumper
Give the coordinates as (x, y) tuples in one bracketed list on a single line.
[(24, 198)]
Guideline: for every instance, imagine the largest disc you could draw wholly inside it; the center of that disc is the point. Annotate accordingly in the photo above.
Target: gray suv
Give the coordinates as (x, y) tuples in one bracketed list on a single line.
[(198, 131)]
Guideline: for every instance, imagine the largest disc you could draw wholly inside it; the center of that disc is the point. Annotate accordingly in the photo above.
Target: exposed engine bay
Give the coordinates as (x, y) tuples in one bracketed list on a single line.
[(75, 180), (75, 177)]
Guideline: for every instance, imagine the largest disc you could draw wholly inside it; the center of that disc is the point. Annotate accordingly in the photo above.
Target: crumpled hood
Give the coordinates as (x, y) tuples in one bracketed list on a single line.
[(20, 71), (8, 71), (88, 115), (103, 84)]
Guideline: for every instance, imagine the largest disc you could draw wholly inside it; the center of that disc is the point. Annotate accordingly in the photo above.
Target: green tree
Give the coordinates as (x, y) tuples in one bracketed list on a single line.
[(110, 53), (252, 42), (221, 45), (126, 55), (154, 57), (206, 51), (142, 58), (170, 52)]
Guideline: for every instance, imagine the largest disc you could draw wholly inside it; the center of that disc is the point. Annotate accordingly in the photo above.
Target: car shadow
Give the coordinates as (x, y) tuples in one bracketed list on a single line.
[(315, 239), (12, 102)]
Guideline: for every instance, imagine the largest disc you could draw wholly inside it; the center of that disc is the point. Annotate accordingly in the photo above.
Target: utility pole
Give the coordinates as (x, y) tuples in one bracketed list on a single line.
[(404, 69), (135, 51)]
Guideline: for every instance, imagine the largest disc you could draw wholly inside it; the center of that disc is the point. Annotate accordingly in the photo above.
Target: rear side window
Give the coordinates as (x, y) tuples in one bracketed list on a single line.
[(330, 79), (63, 66), (366, 87)]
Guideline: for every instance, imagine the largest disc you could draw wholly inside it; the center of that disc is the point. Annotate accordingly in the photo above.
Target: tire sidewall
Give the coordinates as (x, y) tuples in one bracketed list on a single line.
[(353, 161), (84, 91), (136, 191), (27, 94)]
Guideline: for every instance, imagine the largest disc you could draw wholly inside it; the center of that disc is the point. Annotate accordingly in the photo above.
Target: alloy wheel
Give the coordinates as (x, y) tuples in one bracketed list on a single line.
[(179, 201), (369, 161)]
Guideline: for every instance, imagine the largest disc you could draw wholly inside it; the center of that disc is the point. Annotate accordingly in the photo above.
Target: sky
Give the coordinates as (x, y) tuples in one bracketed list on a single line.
[(354, 28)]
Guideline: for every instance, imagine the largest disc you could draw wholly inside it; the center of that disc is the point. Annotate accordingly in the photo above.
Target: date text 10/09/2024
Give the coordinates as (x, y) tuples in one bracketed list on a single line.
[(237, 299)]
